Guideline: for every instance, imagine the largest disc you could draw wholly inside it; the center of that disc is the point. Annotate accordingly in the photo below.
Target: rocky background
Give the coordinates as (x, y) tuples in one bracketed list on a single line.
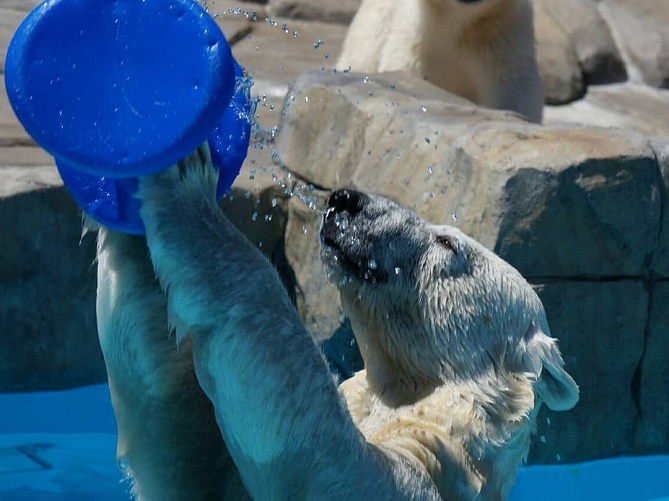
[(577, 205)]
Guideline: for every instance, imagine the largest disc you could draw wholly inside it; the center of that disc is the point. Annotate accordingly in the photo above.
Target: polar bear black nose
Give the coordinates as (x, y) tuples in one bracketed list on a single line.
[(346, 200)]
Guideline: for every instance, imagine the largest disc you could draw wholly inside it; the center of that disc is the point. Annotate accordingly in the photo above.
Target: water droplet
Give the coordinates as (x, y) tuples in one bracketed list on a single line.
[(454, 217), (427, 140), (254, 216), (304, 229), (542, 438), (318, 43), (372, 264), (423, 108), (306, 99), (341, 222), (429, 169), (398, 271), (124, 467)]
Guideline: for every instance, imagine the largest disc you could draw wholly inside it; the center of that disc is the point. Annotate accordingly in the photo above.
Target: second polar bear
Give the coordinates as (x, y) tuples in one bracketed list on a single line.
[(482, 50), (458, 357)]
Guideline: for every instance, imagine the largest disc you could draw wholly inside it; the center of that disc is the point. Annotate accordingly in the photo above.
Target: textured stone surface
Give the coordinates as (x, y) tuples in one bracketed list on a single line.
[(262, 216), (341, 12), (234, 18), (641, 30), (562, 217), (652, 386), (628, 106), (48, 337), (600, 327), (587, 34), (316, 299), (11, 16), (660, 264), (20, 5)]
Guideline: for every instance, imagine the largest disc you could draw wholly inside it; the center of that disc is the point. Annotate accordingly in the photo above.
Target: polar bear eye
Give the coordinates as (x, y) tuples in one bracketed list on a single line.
[(447, 242)]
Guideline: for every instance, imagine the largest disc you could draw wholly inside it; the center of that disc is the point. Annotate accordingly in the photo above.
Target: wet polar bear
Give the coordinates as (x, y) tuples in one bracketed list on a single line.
[(458, 357), (482, 50)]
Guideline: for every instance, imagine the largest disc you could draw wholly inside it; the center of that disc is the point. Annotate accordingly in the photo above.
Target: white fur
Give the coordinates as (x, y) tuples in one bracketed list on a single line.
[(483, 51), (456, 347)]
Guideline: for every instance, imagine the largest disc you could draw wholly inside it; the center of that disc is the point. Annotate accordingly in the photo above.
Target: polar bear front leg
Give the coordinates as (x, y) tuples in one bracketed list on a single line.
[(168, 439), (276, 404)]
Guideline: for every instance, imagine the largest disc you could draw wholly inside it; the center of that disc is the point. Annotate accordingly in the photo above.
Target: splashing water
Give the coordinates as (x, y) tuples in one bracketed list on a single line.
[(265, 138)]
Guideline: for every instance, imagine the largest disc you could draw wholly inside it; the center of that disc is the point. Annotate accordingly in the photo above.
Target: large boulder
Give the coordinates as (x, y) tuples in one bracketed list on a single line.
[(641, 30), (660, 264), (577, 210), (575, 49), (557, 58), (628, 105), (651, 385), (48, 336)]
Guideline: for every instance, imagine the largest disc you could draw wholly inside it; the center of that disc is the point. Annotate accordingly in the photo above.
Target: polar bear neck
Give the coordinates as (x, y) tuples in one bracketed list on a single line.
[(396, 380)]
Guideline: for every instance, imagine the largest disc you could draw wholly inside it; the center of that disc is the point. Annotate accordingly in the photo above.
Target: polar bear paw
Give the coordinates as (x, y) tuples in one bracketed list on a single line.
[(193, 177)]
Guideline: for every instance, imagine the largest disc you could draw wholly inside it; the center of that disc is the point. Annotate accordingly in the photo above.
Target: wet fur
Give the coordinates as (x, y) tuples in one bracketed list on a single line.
[(457, 352), (483, 51)]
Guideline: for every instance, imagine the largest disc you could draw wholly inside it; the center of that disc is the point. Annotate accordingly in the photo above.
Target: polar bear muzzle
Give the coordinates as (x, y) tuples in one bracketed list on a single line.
[(343, 251)]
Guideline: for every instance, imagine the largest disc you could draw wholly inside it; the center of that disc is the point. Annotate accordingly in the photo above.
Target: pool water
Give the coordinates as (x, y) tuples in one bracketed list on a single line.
[(60, 446)]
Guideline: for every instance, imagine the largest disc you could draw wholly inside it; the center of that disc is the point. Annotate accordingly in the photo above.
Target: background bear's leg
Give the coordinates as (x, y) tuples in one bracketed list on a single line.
[(167, 432)]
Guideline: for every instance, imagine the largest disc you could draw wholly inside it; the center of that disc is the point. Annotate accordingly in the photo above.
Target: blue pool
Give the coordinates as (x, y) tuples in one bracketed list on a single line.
[(59, 446)]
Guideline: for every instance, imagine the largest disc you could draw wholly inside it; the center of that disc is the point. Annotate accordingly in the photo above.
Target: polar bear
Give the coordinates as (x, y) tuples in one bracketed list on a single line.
[(240, 403), (482, 50)]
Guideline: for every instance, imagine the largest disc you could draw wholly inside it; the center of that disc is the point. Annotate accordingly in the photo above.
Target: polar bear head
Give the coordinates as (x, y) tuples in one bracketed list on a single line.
[(428, 304)]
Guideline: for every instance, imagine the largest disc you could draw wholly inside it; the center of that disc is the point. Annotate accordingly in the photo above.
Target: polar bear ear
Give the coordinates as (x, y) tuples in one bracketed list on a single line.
[(555, 387)]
